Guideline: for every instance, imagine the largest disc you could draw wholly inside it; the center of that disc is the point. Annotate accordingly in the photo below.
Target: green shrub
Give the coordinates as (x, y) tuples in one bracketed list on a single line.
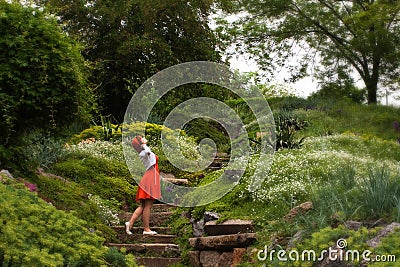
[(202, 128), (108, 209), (287, 126), (41, 151), (349, 197), (112, 132), (338, 92), (288, 103), (105, 178), (328, 237), (388, 247), (34, 233), (95, 132), (379, 193), (115, 258), (42, 74), (339, 117)]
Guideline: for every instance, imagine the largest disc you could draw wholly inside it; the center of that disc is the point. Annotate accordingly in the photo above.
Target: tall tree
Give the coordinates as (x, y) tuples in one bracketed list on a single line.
[(130, 40), (42, 78), (352, 35)]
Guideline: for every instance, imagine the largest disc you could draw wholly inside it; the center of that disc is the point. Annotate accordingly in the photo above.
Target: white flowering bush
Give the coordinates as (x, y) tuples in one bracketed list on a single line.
[(97, 149), (107, 213), (294, 173)]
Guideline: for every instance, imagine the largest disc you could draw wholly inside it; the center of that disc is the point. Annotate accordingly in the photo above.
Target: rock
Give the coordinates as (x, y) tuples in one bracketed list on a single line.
[(209, 258), (167, 175), (228, 227), (182, 182), (194, 258), (5, 176), (210, 216), (225, 260), (353, 225), (300, 209), (198, 228), (387, 230), (223, 242), (237, 256), (295, 239), (41, 172)]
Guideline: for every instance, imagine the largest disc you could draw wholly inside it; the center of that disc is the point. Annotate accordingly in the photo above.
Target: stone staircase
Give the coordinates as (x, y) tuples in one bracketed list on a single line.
[(220, 161), (224, 245), (158, 250)]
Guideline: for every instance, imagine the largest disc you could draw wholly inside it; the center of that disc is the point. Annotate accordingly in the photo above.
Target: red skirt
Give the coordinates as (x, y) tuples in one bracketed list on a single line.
[(149, 186)]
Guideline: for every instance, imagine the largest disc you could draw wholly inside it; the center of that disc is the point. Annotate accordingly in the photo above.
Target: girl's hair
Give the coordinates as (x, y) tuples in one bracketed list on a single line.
[(137, 143)]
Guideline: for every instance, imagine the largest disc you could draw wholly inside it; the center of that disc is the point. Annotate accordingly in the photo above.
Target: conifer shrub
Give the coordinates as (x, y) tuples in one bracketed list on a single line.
[(35, 233)]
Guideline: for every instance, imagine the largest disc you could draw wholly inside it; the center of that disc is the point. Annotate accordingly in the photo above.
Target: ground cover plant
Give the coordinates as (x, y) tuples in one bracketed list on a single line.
[(342, 173), (349, 173), (35, 233)]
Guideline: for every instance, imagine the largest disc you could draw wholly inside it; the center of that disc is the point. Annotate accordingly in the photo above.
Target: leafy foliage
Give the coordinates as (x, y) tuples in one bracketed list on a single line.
[(327, 117), (345, 36), (106, 178), (201, 128), (35, 233), (42, 76), (333, 168), (327, 237), (287, 125), (129, 41), (338, 92)]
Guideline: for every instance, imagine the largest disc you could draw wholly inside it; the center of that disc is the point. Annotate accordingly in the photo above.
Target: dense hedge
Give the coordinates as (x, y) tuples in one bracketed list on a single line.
[(34, 233), (42, 77)]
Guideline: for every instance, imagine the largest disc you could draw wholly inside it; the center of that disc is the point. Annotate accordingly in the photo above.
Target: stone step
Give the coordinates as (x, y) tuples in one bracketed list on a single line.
[(221, 160), (157, 261), (223, 242), (161, 249), (218, 164), (172, 179), (156, 218), (214, 168), (176, 181), (162, 207), (139, 230), (140, 238), (228, 227), (217, 258)]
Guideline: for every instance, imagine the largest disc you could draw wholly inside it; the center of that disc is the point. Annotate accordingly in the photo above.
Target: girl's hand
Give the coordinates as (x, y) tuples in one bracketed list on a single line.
[(144, 140)]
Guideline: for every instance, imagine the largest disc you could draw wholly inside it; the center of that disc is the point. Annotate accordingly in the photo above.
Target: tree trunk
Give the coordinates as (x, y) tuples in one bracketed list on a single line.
[(372, 88)]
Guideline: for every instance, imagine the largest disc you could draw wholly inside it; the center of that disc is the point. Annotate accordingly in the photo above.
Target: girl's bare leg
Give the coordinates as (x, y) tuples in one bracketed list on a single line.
[(136, 214), (148, 203)]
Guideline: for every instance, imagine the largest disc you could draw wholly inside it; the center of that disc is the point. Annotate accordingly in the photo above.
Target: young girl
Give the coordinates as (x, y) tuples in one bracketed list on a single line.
[(149, 186)]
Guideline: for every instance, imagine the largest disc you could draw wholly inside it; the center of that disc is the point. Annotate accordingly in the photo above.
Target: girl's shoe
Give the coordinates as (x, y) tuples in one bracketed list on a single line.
[(149, 232), (127, 230)]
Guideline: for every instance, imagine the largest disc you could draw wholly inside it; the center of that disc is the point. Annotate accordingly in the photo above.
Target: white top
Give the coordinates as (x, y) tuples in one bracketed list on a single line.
[(147, 157)]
